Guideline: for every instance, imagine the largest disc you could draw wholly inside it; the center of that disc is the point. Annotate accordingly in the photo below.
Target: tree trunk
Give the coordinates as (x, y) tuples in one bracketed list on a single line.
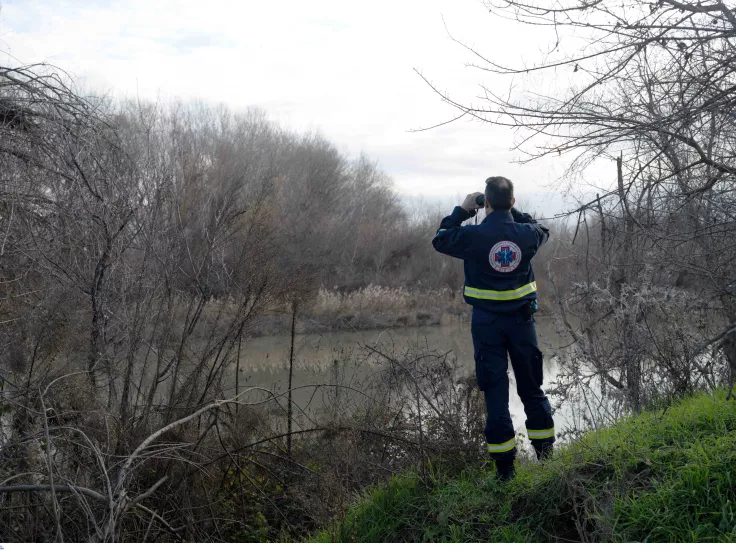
[(289, 408)]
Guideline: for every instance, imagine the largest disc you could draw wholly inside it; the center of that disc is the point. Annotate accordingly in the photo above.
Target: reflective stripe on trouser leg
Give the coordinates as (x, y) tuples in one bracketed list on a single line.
[(541, 433), (502, 447)]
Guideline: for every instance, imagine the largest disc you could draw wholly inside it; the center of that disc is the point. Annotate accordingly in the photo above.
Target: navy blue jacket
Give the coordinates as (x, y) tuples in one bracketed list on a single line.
[(497, 254)]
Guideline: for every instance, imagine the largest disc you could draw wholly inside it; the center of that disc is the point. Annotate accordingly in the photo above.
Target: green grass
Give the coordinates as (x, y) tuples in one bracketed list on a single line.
[(663, 476)]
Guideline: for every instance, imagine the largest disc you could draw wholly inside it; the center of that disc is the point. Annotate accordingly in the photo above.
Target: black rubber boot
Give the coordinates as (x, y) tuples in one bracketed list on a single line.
[(505, 469), (544, 451)]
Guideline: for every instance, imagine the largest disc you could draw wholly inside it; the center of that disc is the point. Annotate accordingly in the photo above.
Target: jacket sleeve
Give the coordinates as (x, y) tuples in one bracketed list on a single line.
[(541, 230), (452, 238)]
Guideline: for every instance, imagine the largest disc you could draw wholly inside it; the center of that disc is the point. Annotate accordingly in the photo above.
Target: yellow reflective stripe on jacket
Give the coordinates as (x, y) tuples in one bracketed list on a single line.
[(541, 433), (501, 295), (503, 447)]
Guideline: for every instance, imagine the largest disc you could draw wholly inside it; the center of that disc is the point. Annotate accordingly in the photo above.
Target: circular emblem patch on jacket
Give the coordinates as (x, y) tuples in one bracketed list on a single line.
[(505, 256)]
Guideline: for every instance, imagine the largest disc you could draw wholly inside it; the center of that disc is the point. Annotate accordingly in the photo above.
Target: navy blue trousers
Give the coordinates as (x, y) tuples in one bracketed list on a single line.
[(497, 337)]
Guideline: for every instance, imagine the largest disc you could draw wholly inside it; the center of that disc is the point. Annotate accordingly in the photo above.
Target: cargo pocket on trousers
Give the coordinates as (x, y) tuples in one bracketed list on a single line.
[(483, 370), (485, 375), (537, 366)]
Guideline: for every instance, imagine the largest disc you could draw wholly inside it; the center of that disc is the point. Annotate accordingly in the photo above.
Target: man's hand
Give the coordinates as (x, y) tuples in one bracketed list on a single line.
[(469, 204)]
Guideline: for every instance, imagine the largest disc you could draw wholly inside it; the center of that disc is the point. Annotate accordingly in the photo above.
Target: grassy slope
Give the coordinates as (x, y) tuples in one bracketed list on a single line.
[(666, 475)]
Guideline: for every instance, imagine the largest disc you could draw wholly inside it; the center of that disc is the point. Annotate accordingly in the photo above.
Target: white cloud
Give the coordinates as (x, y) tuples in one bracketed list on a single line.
[(345, 68)]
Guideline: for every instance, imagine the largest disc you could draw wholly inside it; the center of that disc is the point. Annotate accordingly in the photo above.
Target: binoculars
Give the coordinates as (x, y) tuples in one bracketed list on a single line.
[(480, 201)]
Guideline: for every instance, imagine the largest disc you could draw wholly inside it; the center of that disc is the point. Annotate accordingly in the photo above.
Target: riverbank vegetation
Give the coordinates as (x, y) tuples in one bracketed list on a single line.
[(140, 245), (371, 307), (665, 475)]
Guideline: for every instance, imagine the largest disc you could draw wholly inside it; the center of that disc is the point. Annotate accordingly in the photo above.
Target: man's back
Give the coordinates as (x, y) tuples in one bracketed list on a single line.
[(497, 255)]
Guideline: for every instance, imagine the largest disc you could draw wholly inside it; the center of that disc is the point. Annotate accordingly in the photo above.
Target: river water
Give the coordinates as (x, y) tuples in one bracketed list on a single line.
[(264, 360)]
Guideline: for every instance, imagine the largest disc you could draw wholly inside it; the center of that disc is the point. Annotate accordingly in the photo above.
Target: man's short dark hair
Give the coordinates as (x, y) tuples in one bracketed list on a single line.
[(499, 192)]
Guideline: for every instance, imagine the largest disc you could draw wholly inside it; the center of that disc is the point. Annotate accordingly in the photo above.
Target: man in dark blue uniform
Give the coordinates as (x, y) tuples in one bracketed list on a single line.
[(499, 284)]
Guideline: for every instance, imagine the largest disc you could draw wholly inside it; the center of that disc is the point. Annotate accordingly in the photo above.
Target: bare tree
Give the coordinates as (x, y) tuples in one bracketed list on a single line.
[(140, 244), (651, 89)]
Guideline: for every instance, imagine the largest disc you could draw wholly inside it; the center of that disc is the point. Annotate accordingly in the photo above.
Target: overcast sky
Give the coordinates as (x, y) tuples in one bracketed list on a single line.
[(344, 68)]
